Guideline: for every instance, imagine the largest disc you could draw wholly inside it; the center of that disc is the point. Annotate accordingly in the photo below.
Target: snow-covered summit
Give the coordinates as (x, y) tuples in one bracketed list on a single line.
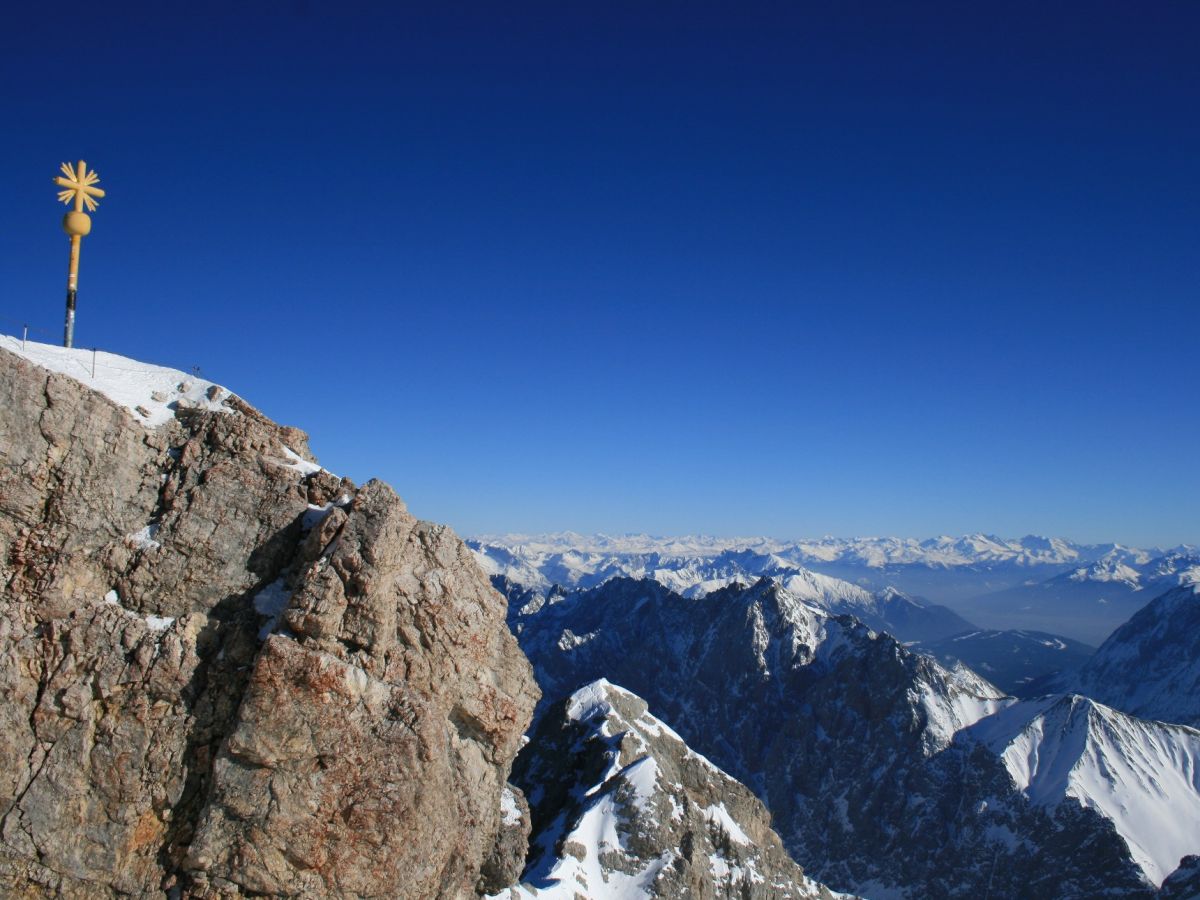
[(1142, 776), (151, 393), (623, 809)]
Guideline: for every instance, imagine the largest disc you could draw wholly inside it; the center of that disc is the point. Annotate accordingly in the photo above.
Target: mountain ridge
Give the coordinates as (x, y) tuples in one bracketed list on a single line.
[(799, 704)]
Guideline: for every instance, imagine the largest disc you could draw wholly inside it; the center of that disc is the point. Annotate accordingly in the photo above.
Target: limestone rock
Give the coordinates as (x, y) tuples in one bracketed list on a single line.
[(392, 707), (158, 737)]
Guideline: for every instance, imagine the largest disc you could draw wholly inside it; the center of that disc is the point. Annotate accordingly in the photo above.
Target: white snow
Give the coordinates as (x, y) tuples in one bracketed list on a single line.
[(572, 559), (1143, 776), (298, 463), (510, 813), (271, 601), (949, 710), (154, 623), (143, 539), (720, 817), (157, 390)]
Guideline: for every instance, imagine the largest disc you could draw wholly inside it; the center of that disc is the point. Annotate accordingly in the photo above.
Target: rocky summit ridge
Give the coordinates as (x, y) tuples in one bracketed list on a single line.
[(227, 672)]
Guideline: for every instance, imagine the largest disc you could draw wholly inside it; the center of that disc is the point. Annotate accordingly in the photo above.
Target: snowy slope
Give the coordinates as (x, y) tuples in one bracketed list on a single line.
[(151, 393), (1142, 776)]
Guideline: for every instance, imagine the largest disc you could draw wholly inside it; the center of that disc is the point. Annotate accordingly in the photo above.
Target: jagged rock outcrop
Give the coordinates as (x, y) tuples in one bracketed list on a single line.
[(623, 807), (225, 671), (1184, 882)]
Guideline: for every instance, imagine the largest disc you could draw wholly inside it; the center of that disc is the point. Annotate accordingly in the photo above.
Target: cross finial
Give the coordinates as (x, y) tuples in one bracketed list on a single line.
[(79, 185)]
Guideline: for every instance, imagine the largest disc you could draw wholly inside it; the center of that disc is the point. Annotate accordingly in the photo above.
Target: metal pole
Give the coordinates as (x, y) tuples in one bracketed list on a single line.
[(93, 363), (79, 185), (72, 285), (24, 335)]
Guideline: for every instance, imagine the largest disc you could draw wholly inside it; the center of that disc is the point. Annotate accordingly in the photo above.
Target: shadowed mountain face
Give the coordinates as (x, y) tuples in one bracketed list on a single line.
[(1011, 660), (1150, 666), (857, 746)]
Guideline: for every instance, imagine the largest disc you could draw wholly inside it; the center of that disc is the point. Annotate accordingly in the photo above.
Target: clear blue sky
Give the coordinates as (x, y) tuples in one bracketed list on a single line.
[(793, 269)]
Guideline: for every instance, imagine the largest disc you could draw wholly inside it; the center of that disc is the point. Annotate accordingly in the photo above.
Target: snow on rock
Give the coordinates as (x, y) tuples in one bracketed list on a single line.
[(143, 539), (154, 623), (298, 463), (151, 393), (1142, 776), (510, 813), (270, 602), (623, 809)]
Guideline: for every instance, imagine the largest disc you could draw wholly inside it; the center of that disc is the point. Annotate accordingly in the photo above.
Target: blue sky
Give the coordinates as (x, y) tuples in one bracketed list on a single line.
[(791, 269)]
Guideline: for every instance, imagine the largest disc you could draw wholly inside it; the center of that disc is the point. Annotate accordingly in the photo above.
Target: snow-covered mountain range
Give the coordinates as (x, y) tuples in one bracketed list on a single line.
[(526, 577), (886, 774), (1031, 583), (868, 552)]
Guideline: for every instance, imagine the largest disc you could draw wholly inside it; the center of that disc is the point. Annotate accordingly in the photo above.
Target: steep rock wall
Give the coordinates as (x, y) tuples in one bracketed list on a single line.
[(223, 670)]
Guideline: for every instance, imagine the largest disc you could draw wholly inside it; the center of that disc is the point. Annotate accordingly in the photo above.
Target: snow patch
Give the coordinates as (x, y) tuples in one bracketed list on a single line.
[(143, 539), (154, 623), (152, 394), (271, 601)]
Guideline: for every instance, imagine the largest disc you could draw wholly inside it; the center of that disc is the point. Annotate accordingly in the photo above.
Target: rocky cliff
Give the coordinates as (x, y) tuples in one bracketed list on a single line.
[(226, 672)]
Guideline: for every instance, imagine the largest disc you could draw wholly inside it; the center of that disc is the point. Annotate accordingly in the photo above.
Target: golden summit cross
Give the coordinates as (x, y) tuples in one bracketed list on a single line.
[(79, 187)]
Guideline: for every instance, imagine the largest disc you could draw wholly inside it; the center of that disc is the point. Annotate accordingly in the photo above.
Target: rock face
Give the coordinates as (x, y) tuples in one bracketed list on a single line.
[(863, 752), (622, 807), (225, 671)]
